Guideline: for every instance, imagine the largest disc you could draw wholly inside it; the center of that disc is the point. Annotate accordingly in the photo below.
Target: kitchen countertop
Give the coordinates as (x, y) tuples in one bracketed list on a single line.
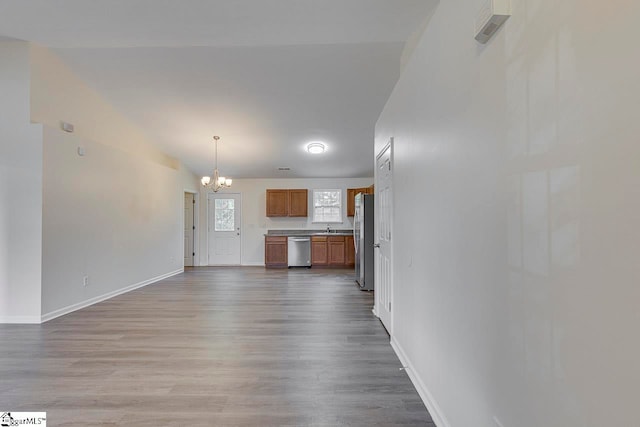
[(307, 233)]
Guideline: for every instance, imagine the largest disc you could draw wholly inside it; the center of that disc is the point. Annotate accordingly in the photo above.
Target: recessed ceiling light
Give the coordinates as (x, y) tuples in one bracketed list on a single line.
[(316, 147)]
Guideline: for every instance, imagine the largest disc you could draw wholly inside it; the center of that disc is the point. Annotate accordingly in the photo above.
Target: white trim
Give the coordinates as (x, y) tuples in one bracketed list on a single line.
[(108, 295), (196, 216), (253, 264), (432, 406), (388, 146), (196, 234), (20, 319)]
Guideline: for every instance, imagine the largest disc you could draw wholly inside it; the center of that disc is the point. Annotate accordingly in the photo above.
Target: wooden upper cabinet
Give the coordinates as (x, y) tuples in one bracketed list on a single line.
[(336, 250), (351, 201), (277, 202), (298, 202), (351, 198), (287, 202)]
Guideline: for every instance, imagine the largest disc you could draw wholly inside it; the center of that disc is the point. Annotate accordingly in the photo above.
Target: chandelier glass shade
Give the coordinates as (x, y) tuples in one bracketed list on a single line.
[(216, 182)]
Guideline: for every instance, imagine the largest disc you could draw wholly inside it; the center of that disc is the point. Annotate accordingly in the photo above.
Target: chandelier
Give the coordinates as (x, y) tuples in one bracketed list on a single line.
[(218, 181)]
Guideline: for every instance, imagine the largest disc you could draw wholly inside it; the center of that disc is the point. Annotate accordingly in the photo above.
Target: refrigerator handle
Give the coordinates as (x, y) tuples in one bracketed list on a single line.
[(355, 225)]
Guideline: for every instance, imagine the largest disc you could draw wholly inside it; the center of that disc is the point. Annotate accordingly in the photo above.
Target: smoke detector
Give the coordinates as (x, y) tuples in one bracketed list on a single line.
[(493, 14)]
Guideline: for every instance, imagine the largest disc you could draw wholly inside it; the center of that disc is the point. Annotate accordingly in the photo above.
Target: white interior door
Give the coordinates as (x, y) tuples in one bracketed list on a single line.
[(224, 219), (383, 255), (189, 229)]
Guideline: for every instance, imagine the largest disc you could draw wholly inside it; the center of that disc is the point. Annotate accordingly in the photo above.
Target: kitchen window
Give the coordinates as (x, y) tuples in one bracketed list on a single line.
[(327, 206)]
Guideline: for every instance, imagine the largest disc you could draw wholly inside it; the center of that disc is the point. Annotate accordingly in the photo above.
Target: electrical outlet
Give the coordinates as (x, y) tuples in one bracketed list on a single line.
[(85, 281), (497, 421)]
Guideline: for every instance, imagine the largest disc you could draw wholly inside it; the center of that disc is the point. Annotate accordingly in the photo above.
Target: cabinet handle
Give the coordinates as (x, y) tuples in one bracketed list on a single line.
[(377, 245)]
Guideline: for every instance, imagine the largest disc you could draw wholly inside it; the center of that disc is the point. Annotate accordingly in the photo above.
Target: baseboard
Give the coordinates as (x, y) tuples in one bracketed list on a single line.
[(20, 319), (432, 406), (253, 264), (66, 310)]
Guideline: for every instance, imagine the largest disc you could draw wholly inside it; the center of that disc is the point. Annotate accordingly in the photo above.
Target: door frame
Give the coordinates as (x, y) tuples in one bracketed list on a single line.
[(376, 306), (209, 194), (196, 224)]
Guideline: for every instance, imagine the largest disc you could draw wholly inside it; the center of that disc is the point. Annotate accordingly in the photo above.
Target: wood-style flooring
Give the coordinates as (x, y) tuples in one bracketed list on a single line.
[(214, 347)]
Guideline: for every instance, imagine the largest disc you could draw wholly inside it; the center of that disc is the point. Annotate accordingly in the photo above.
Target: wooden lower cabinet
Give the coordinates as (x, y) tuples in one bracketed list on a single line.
[(326, 251), (275, 252), (336, 250), (319, 253), (332, 251), (349, 252)]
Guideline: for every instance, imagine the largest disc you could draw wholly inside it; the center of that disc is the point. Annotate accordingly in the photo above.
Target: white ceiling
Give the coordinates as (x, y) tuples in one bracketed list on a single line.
[(266, 75)]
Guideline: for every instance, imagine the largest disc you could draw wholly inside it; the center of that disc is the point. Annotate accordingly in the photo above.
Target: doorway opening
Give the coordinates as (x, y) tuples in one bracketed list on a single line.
[(384, 248), (189, 229)]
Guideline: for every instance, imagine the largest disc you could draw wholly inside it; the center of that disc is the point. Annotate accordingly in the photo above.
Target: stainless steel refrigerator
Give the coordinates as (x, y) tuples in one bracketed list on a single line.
[(363, 239)]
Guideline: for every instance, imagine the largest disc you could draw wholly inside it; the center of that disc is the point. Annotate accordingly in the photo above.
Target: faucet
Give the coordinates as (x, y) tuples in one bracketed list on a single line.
[(328, 229)]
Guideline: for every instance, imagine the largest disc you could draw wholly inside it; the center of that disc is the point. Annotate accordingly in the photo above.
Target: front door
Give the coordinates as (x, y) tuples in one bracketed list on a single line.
[(224, 219), (383, 263)]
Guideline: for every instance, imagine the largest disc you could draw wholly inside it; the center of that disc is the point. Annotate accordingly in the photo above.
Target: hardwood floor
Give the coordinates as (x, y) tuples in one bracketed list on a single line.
[(214, 347)]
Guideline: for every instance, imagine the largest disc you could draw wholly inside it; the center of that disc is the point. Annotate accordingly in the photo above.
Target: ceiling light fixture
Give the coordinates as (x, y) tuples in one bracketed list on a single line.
[(218, 181), (316, 147)]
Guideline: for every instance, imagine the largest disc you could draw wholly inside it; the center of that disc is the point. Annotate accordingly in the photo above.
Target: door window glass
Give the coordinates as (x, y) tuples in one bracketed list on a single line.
[(225, 215)]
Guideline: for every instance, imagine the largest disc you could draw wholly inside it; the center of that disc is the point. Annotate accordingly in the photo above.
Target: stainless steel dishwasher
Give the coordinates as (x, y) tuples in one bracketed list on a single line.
[(299, 251)]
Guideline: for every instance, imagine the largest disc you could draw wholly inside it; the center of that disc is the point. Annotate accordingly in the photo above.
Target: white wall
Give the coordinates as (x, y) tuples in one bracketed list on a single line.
[(20, 190), (57, 94), (255, 223), (516, 197), (114, 214)]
